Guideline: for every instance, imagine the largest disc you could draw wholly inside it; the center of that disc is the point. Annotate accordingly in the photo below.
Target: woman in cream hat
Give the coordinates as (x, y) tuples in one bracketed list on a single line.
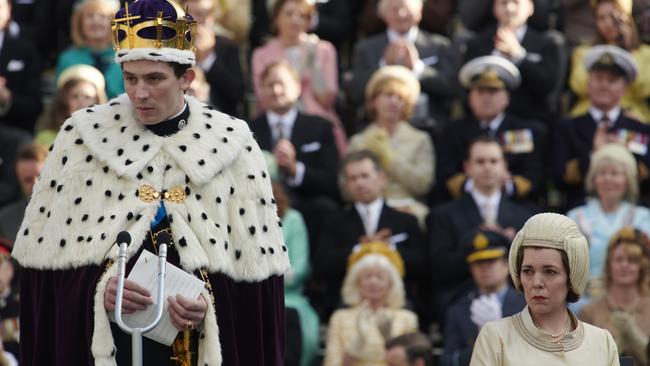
[(613, 186), (78, 87), (549, 262), (374, 291), (405, 153)]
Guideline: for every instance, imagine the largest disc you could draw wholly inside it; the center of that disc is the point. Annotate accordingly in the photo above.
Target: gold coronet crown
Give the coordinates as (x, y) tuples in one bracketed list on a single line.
[(381, 248), (127, 34)]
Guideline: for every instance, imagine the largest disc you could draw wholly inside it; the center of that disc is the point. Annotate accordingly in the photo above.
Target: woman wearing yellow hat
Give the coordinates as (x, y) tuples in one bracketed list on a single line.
[(374, 291), (549, 262)]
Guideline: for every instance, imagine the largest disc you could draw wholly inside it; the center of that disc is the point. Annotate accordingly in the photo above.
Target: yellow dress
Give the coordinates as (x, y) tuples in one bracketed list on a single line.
[(634, 99), (342, 331), (516, 341)]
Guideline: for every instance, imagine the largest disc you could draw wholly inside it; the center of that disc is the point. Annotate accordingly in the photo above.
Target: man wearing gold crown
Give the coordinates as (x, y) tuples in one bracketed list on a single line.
[(150, 161)]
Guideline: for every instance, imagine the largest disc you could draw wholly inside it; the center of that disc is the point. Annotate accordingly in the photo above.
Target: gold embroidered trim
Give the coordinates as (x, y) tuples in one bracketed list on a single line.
[(208, 285)]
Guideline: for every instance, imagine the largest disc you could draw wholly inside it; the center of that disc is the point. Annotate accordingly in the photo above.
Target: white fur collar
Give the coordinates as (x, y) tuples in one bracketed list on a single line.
[(112, 134)]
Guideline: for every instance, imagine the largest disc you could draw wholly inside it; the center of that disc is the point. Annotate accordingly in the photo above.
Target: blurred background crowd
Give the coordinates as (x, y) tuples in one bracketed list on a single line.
[(424, 132)]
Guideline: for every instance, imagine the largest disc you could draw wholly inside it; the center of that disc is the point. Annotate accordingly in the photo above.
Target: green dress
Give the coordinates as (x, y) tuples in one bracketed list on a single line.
[(297, 242), (104, 61)]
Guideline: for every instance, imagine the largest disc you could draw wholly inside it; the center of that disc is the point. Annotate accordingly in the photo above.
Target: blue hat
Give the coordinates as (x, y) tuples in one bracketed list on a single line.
[(156, 30)]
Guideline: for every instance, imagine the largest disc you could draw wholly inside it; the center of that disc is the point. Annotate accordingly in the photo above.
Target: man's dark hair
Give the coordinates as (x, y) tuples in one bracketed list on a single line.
[(416, 345), (360, 155), (179, 69), (482, 139)]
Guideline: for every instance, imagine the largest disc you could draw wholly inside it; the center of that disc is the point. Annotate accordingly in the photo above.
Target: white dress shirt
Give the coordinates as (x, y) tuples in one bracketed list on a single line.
[(612, 115)]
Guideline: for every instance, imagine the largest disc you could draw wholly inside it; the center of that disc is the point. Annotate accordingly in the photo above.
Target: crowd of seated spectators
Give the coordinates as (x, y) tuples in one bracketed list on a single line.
[(426, 130)]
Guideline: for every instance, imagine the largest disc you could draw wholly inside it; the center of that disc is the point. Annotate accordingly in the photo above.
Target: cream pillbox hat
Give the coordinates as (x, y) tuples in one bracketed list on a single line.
[(555, 231)]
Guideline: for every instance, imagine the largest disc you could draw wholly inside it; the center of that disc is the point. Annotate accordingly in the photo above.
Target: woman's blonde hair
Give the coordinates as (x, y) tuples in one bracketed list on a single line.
[(393, 79), (106, 7), (637, 246), (614, 154), (350, 291)]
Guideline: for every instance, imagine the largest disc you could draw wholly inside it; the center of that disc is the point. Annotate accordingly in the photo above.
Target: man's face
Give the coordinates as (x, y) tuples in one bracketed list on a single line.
[(27, 171), (490, 275), (363, 181), (487, 103), (156, 93), (5, 13), (512, 13), (402, 15), (486, 166), (280, 90), (396, 356), (605, 89)]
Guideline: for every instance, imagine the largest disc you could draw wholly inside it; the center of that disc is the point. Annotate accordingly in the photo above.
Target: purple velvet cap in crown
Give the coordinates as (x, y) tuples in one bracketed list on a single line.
[(157, 30)]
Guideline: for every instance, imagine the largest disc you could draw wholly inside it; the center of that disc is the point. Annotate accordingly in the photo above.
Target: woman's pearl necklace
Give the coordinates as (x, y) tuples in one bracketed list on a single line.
[(556, 338)]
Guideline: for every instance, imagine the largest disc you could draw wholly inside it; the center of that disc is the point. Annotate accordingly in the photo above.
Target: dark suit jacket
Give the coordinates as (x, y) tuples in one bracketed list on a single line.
[(574, 139), (19, 64), (452, 150), (448, 225), (314, 143), (225, 77), (538, 71), (460, 332), (438, 80), (341, 232), (11, 140), (11, 216), (476, 15)]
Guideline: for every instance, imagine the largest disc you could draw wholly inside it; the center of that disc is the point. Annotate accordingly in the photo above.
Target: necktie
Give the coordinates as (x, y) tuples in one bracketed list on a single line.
[(367, 220), (605, 120), (489, 214), (485, 128), (279, 132)]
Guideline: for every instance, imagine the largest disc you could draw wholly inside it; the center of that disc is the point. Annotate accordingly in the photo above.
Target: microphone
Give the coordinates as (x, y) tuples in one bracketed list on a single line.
[(163, 238), (123, 237)]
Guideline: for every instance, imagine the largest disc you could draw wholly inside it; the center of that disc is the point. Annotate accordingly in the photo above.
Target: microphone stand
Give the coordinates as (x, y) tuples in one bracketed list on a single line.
[(136, 333)]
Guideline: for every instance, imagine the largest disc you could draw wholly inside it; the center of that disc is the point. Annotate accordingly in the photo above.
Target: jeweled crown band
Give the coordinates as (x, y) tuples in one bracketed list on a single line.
[(133, 32)]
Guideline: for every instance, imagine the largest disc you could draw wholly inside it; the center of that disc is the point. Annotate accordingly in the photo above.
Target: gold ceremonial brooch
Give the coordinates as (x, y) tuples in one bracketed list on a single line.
[(174, 195)]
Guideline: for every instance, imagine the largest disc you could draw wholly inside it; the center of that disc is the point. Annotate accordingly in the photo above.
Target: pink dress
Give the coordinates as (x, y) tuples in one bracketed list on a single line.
[(319, 56)]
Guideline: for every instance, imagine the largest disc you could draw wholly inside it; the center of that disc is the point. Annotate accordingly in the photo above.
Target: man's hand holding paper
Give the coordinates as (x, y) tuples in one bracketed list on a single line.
[(180, 312)]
